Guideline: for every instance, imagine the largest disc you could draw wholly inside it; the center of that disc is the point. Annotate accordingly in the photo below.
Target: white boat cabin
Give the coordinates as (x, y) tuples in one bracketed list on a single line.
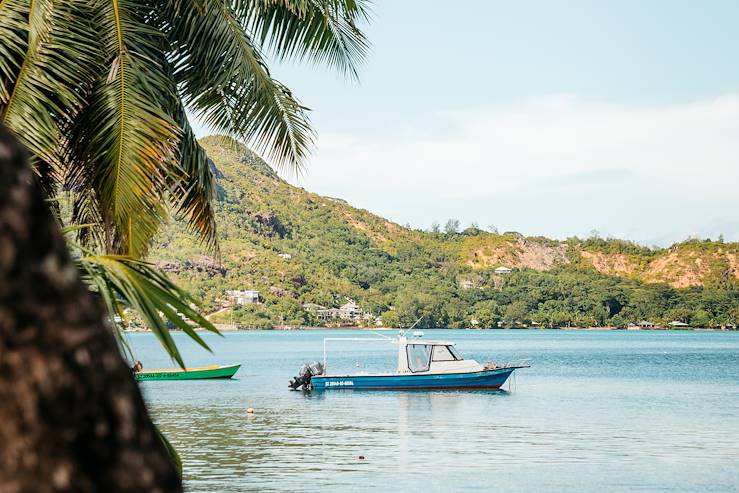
[(418, 355)]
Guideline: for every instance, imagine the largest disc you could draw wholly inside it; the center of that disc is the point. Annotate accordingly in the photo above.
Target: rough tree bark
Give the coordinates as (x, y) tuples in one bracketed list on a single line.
[(71, 416)]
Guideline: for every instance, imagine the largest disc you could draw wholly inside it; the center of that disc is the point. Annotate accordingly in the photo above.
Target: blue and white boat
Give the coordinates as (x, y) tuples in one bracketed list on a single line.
[(422, 364)]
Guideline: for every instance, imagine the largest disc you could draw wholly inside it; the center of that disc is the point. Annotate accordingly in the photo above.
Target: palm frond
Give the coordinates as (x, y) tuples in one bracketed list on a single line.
[(197, 186), (13, 44), (124, 137), (122, 280), (22, 113), (85, 211), (60, 62), (321, 31), (170, 450), (223, 78)]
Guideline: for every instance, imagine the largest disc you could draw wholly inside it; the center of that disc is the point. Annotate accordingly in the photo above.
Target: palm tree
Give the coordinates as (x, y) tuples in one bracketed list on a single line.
[(99, 91), (79, 382)]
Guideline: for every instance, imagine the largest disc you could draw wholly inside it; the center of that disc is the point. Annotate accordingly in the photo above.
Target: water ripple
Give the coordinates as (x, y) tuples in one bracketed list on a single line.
[(597, 411)]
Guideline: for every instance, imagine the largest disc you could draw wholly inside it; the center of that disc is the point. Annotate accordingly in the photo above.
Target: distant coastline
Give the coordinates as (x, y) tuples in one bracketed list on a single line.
[(244, 328)]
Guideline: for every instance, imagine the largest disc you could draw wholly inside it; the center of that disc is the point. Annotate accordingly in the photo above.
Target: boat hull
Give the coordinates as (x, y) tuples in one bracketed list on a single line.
[(486, 379), (210, 372)]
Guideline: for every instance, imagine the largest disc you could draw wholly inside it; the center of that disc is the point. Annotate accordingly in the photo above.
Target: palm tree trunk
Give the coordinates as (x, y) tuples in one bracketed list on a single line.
[(71, 416)]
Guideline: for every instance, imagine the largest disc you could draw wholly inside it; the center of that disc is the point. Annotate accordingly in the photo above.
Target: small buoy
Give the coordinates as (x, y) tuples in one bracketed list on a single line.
[(361, 457), (250, 410)]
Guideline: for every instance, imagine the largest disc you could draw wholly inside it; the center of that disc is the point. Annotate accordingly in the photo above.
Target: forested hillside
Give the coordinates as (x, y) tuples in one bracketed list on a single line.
[(337, 252)]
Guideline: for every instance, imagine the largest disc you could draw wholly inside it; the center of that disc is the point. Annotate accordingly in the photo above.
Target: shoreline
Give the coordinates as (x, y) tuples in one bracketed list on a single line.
[(238, 328)]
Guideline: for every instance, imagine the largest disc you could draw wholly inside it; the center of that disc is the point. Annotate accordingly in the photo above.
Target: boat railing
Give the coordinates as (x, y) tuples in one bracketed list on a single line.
[(359, 339), (502, 365)]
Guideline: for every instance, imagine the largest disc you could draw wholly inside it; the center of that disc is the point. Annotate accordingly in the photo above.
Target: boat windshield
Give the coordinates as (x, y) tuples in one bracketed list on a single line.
[(419, 357), (444, 353), (454, 353)]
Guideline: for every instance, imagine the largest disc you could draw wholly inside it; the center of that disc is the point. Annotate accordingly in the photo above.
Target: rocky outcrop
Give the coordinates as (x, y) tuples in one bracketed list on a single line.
[(683, 268), (611, 263), (518, 251), (680, 267), (278, 291), (202, 263), (268, 224)]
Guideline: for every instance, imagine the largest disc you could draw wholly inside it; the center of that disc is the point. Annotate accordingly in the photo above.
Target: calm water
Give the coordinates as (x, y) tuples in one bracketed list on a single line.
[(598, 411)]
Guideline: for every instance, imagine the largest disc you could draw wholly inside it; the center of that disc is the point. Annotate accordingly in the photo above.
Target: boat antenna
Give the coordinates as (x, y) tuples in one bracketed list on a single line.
[(411, 327), (382, 335)]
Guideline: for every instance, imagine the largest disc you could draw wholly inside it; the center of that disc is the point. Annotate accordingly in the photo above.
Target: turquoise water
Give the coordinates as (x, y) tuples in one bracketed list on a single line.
[(597, 411)]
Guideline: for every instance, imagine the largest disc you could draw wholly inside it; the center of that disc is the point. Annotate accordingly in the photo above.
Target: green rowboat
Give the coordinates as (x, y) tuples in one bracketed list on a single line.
[(214, 371)]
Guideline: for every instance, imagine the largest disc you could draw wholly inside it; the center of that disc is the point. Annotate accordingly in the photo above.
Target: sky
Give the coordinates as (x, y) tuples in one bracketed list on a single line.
[(547, 118)]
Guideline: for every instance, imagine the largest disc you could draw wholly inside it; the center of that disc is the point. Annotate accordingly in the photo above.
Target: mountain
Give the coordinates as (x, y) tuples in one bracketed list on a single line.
[(297, 247)]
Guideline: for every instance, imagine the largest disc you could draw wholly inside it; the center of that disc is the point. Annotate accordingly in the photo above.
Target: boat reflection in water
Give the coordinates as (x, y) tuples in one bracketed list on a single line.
[(422, 364)]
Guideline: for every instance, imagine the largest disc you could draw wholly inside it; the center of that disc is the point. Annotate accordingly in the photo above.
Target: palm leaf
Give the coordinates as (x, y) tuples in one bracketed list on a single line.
[(197, 187), (223, 78), (13, 44), (322, 31), (170, 450), (124, 280), (21, 112), (85, 211), (39, 96), (124, 139)]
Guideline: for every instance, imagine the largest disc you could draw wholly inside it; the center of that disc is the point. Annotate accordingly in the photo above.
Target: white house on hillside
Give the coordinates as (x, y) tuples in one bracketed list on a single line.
[(503, 270), (243, 297), (348, 311), (351, 311)]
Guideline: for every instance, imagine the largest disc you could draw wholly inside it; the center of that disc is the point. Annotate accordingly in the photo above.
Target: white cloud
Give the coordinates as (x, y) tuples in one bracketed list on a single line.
[(686, 156)]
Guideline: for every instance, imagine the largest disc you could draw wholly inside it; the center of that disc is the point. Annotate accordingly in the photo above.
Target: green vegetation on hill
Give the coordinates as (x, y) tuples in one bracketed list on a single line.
[(339, 252)]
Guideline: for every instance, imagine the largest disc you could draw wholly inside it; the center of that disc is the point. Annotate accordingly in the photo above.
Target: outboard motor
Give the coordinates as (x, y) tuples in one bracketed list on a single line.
[(307, 371)]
